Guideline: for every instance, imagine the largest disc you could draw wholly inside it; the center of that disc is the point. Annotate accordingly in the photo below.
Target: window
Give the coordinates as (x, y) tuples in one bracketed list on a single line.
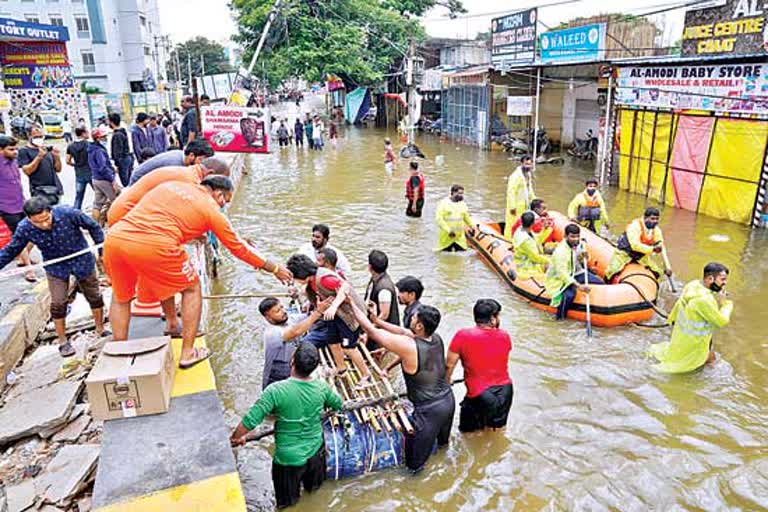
[(77, 1), (147, 51), (32, 18), (89, 63), (56, 19), (83, 27), (27, 1), (52, 1), (143, 21)]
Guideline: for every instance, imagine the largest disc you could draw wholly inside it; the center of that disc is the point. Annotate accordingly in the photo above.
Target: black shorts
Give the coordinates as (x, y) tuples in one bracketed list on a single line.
[(414, 210), (12, 220), (432, 422), (289, 479), (325, 333), (489, 409)]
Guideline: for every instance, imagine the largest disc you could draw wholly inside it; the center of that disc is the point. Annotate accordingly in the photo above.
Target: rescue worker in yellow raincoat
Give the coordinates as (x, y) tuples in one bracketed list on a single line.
[(639, 243), (519, 193), (701, 309), (588, 208), (452, 216), (530, 261), (566, 272)]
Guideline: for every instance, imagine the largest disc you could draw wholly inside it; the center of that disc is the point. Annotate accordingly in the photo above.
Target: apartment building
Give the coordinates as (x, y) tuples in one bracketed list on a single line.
[(115, 45)]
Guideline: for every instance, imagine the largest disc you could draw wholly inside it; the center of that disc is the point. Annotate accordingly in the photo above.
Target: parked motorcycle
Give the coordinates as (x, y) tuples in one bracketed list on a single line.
[(586, 149)]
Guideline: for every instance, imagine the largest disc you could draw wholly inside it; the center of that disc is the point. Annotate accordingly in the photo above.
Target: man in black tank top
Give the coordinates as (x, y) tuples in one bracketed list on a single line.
[(422, 357), (381, 291)]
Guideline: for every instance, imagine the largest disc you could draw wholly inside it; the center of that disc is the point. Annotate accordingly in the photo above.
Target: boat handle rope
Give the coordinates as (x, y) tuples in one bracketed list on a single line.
[(658, 310), (23, 270)]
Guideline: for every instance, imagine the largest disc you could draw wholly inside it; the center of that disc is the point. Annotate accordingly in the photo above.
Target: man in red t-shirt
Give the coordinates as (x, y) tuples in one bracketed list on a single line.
[(484, 353), (543, 222)]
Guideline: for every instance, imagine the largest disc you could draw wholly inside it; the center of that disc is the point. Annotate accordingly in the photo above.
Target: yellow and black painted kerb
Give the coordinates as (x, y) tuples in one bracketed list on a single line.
[(178, 461)]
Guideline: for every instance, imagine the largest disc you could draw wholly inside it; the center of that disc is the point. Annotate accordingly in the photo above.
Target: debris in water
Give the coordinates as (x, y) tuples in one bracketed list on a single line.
[(719, 238)]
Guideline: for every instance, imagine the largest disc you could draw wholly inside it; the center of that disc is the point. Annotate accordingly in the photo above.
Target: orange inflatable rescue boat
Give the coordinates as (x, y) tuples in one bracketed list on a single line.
[(625, 302)]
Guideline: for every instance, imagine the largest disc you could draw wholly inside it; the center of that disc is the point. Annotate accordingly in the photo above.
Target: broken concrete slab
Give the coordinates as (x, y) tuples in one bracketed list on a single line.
[(67, 473), (72, 432), (40, 369), (21, 496), (3, 500), (40, 409), (77, 411)]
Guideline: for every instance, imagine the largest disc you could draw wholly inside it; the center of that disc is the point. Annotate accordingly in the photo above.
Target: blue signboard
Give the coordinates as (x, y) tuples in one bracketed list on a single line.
[(23, 31), (578, 44)]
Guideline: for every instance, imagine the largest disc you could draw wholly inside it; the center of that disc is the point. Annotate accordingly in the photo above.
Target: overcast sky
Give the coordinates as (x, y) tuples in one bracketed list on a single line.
[(184, 19)]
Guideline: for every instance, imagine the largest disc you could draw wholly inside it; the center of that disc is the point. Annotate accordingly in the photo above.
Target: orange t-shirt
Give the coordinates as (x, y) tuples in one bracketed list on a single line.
[(130, 197), (175, 213)]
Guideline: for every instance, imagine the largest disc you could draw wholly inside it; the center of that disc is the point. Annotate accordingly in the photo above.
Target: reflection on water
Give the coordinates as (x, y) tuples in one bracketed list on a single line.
[(593, 427)]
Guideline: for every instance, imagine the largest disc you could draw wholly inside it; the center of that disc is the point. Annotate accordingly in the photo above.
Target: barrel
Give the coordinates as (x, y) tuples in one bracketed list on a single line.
[(355, 448)]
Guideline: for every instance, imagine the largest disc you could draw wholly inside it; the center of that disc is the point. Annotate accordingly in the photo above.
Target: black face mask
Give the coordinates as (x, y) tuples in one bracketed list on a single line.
[(457, 199), (591, 191), (715, 287), (573, 245), (651, 225), (527, 168)]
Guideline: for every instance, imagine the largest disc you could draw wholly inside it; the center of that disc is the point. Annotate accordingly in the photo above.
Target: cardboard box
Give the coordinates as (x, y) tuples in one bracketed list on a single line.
[(132, 378)]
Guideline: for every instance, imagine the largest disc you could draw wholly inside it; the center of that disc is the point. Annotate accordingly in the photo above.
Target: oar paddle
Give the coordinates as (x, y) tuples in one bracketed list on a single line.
[(586, 284), (668, 266)]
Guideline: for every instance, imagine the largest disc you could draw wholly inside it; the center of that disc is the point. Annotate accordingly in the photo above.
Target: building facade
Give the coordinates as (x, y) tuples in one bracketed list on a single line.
[(115, 45)]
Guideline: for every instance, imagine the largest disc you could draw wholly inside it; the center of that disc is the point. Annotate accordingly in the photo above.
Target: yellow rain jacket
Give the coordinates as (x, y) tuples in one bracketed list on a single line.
[(584, 200), (529, 260), (695, 317), (561, 270), (641, 241), (451, 218), (519, 196)]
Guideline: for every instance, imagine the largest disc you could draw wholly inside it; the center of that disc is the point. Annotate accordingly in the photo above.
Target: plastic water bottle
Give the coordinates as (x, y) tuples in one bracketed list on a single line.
[(11, 378)]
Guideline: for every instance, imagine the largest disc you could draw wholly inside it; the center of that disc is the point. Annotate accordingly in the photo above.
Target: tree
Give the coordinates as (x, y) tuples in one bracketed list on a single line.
[(358, 40), (201, 51)]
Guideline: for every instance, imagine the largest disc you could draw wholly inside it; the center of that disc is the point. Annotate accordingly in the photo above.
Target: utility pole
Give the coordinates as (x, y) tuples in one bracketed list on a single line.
[(202, 65), (157, 59), (189, 70), (411, 91), (270, 19), (178, 67)]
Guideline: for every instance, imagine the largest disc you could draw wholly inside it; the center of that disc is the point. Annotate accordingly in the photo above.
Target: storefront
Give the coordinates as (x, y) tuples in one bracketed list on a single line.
[(36, 71), (465, 105)]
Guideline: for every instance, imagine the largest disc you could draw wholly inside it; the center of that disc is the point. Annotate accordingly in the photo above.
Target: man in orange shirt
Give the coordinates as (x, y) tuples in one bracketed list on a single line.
[(131, 196), (145, 249)]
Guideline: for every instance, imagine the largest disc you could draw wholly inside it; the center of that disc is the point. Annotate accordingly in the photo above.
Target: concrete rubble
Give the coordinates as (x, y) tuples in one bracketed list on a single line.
[(49, 444)]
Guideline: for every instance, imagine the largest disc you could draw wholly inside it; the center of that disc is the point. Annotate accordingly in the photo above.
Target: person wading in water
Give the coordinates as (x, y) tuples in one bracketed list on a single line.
[(414, 191), (422, 356)]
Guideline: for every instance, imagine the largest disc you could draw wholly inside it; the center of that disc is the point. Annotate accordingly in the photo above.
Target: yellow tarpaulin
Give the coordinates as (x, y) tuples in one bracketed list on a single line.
[(737, 151), (625, 147), (661, 148)]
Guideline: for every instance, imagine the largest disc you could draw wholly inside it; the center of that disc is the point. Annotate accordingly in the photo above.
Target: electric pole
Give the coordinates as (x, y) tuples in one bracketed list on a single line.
[(189, 69), (411, 91), (270, 19), (202, 65)]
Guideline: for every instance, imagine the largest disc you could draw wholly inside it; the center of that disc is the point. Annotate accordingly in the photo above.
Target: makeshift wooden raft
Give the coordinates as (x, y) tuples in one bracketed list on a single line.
[(368, 433)]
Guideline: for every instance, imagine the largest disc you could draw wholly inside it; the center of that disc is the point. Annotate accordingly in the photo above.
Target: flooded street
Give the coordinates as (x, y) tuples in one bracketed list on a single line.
[(592, 426)]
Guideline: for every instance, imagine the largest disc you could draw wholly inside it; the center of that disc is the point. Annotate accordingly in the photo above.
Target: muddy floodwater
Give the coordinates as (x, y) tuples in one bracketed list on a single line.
[(592, 426)]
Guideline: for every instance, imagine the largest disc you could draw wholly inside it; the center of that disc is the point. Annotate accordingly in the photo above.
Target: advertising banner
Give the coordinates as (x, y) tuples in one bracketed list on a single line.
[(513, 38), (586, 43), (23, 30), (519, 105), (36, 66), (236, 129), (731, 27), (720, 88)]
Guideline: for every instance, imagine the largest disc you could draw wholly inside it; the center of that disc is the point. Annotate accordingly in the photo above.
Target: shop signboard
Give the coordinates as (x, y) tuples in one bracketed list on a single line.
[(236, 129), (719, 88), (513, 38), (13, 30), (97, 104), (519, 105), (732, 27), (577, 44), (36, 66)]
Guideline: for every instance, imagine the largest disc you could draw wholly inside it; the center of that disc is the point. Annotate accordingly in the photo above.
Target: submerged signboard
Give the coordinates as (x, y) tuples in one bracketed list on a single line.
[(720, 88), (578, 44), (727, 28), (513, 38)]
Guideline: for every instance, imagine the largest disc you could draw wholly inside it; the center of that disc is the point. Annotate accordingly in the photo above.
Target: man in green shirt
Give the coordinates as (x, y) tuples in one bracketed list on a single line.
[(299, 448)]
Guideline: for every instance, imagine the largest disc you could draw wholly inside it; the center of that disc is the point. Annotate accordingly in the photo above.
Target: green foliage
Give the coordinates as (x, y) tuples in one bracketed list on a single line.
[(87, 89), (199, 49), (358, 40)]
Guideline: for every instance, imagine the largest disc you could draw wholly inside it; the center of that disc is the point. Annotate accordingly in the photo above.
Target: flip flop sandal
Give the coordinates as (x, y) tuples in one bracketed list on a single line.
[(177, 334), (198, 359), (67, 350)]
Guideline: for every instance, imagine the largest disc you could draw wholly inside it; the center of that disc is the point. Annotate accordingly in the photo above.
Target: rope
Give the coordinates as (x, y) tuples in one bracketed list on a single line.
[(22, 270), (658, 310)]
